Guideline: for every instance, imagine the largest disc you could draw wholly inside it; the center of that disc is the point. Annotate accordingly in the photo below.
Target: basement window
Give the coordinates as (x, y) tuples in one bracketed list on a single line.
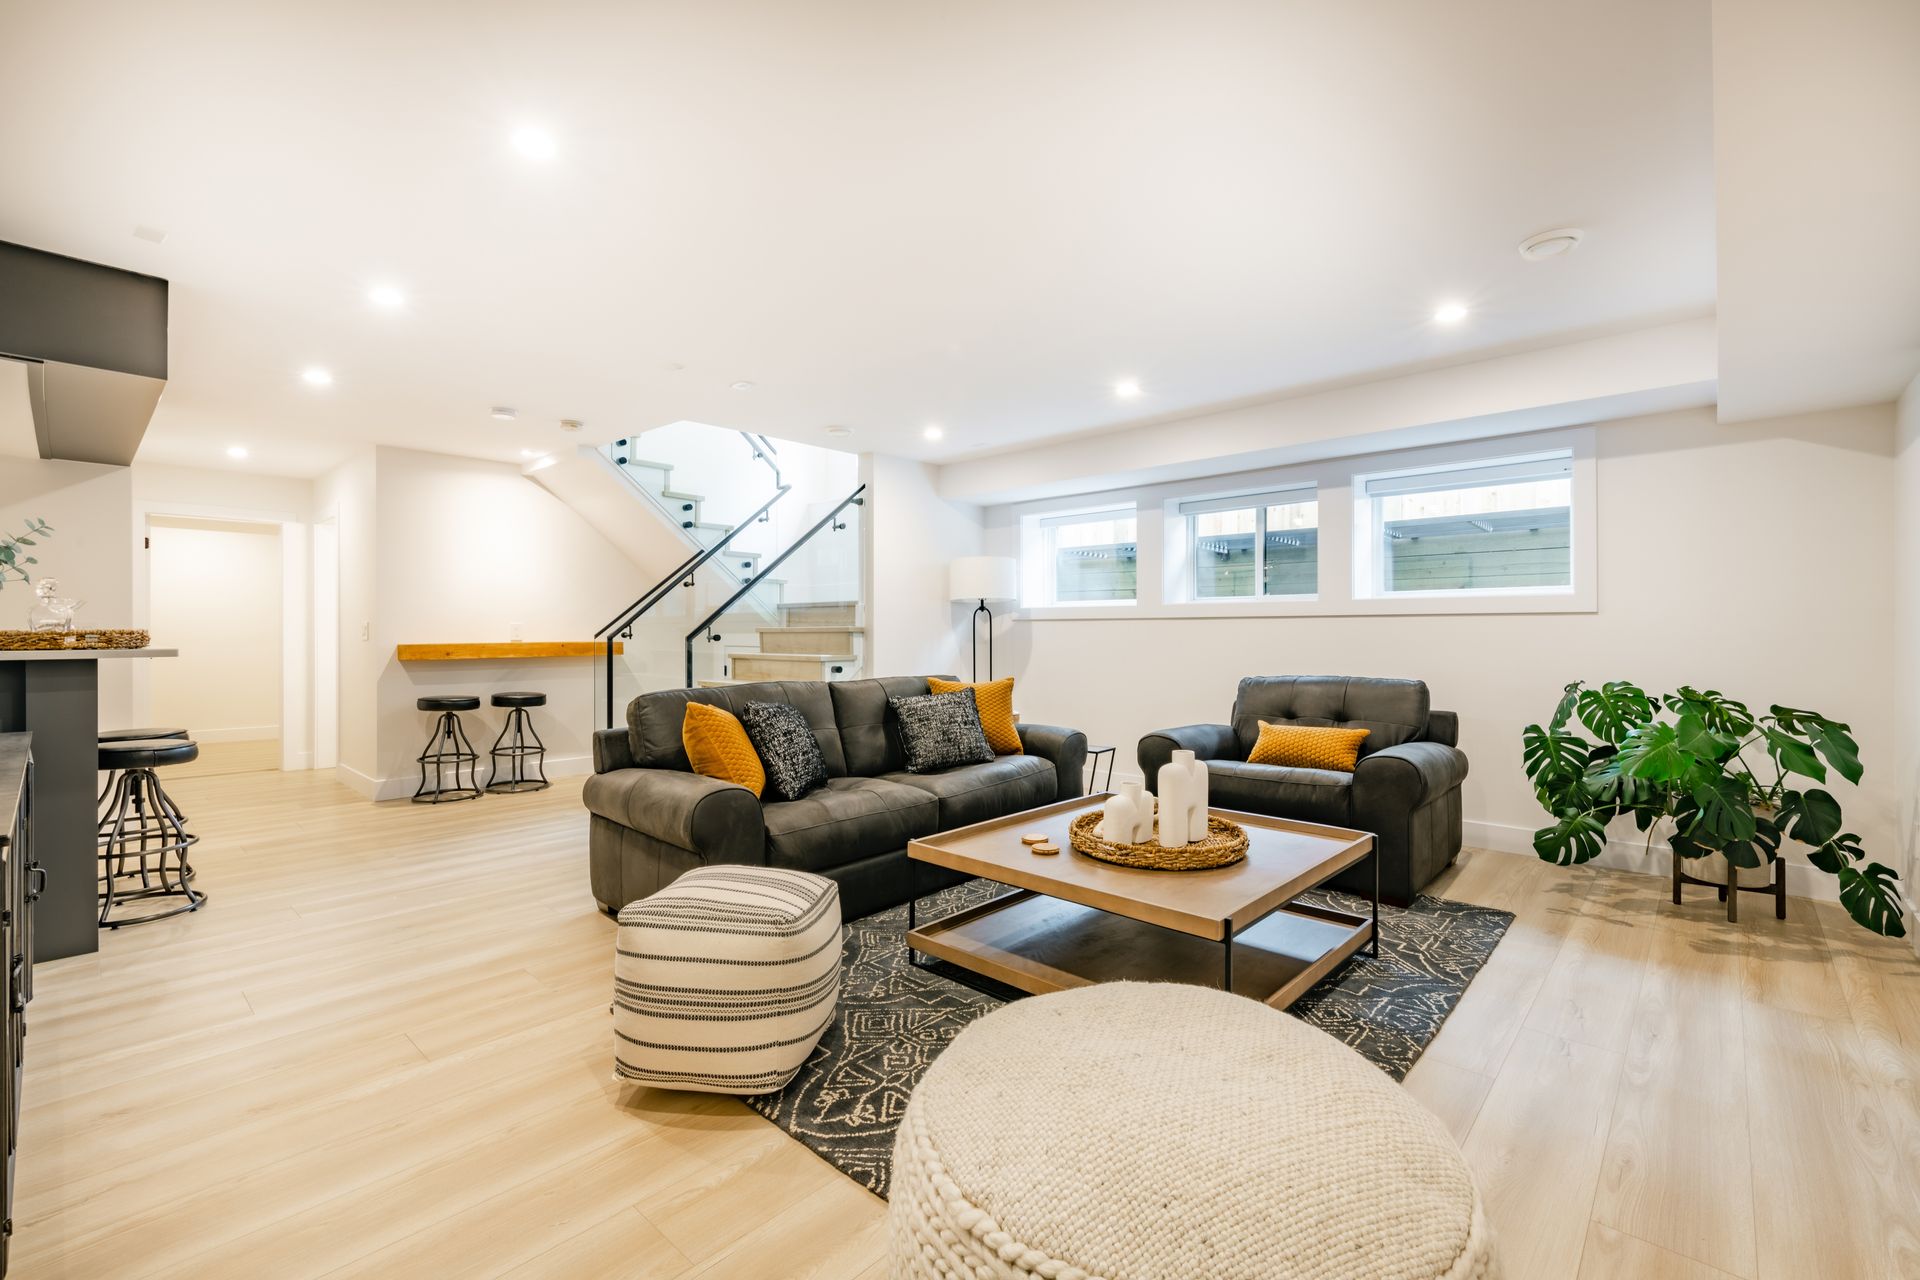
[(1089, 557), (1502, 526), (1254, 546)]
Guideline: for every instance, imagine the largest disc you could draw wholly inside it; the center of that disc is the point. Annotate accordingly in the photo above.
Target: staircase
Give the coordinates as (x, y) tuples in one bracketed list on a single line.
[(814, 640)]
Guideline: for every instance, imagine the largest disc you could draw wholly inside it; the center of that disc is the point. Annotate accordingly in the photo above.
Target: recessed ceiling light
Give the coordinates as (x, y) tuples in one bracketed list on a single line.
[(1127, 389), (933, 432), (534, 143), (742, 385), (386, 295), (840, 432), (316, 377), (236, 451), (503, 413), (1450, 313), (1551, 244)]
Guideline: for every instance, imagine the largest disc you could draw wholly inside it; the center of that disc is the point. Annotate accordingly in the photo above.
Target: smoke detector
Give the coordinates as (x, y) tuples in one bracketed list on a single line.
[(570, 424), (840, 433), (1551, 244)]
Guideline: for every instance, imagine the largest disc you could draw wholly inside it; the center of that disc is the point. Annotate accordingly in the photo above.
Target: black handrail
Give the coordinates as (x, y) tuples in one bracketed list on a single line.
[(663, 588), (706, 623)]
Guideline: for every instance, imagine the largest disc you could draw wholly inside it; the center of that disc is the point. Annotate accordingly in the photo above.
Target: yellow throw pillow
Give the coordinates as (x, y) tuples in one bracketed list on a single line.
[(995, 701), (718, 747), (1307, 746)]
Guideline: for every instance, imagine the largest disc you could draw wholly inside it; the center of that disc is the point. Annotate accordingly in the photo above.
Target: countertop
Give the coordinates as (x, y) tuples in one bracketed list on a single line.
[(515, 649), (71, 655)]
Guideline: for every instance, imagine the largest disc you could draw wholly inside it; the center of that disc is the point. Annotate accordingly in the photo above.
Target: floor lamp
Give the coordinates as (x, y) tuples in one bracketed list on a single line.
[(983, 578)]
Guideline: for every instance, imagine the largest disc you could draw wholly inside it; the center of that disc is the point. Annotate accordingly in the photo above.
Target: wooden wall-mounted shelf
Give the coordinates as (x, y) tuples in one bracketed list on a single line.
[(495, 652)]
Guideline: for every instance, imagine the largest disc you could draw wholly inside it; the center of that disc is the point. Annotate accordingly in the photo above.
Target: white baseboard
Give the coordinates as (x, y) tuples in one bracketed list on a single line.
[(404, 785), (1803, 881), (242, 733)]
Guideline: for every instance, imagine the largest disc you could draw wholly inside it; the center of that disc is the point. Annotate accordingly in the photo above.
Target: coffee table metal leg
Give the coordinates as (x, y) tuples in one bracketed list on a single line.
[(1226, 959), (1373, 943)]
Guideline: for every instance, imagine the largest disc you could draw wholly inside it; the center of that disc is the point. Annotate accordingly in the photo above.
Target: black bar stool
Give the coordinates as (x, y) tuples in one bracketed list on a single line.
[(517, 753), (143, 827), (134, 735), (448, 749)]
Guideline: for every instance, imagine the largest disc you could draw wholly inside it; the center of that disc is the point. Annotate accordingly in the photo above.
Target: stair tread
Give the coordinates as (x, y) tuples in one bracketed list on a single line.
[(795, 657), (849, 629)]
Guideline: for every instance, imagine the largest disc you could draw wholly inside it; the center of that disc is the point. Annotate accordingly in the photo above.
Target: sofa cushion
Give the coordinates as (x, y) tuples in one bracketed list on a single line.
[(786, 748), (994, 699), (941, 731), (977, 792), (1311, 795), (1392, 711), (654, 719), (845, 821), (869, 733)]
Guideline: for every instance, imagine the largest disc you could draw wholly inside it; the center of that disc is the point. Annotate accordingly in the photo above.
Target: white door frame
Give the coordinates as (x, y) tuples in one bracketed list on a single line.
[(296, 682)]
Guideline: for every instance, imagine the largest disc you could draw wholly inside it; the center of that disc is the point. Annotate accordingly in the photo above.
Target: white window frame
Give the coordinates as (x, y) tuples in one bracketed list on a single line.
[(1369, 560), (1039, 556), (1258, 501)]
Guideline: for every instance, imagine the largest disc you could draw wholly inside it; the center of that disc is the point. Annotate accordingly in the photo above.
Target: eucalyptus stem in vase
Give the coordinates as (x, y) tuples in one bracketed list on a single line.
[(13, 555)]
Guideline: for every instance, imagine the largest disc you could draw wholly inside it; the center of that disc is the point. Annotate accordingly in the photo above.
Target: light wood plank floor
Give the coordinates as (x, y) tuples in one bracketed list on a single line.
[(383, 1050)]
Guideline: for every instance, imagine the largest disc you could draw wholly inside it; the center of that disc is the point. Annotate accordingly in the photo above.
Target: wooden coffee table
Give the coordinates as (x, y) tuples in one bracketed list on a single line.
[(1073, 921)]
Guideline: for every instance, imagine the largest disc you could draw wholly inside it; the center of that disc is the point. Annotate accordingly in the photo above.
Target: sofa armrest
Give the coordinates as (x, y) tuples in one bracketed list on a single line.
[(1443, 727), (612, 749), (1398, 780), (719, 821), (1206, 741), (1066, 749)]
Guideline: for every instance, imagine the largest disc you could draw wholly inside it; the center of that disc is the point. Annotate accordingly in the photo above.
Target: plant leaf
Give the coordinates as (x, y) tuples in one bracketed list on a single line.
[(1717, 711), (1724, 816), (1871, 899), (1836, 745), (1793, 755), (1552, 756), (1652, 752), (1816, 816), (1564, 710), (1837, 854), (1696, 739), (1574, 839), (1614, 710)]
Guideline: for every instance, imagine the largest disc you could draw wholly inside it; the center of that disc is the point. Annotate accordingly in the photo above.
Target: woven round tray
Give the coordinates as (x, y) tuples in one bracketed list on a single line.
[(86, 638), (1226, 844)]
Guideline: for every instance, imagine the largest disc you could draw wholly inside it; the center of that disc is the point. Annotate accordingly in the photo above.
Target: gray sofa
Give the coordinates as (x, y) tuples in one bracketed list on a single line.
[(1405, 788), (653, 818)]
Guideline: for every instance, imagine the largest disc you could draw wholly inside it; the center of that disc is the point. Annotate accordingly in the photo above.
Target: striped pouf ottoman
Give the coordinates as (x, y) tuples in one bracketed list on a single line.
[(1153, 1131), (724, 980)]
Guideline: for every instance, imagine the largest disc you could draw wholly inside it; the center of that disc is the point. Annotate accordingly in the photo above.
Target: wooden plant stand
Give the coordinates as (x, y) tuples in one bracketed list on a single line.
[(1778, 889)]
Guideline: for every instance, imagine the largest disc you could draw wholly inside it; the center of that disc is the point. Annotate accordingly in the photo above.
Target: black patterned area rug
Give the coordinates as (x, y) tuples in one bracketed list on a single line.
[(894, 1019)]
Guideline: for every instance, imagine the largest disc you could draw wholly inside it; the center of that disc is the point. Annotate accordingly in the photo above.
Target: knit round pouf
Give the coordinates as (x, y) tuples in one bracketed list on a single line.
[(1149, 1131)]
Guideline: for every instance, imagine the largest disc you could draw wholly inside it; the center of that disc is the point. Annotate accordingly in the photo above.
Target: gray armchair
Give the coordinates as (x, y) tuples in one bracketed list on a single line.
[(1405, 788)]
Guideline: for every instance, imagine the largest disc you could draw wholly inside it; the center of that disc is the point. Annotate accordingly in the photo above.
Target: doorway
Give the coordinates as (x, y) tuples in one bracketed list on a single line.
[(215, 594)]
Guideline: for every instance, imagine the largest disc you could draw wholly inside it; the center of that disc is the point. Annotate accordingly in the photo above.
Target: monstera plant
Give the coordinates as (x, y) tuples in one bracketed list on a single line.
[(1688, 759)]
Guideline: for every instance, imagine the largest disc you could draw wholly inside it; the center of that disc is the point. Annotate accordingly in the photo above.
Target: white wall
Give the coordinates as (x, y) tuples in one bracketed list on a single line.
[(914, 533), (216, 596), (90, 507), (1748, 559), (468, 550), (1906, 638), (345, 496)]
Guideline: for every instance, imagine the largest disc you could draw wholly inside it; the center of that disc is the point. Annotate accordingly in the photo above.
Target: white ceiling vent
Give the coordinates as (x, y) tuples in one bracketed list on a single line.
[(1551, 244)]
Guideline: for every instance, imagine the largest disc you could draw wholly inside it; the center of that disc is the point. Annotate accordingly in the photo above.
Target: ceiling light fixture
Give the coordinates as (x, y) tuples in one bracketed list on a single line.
[(1127, 389), (236, 451), (1551, 244), (534, 143), (840, 433), (1450, 313), (503, 413), (386, 295), (933, 432), (570, 424), (742, 385), (316, 377)]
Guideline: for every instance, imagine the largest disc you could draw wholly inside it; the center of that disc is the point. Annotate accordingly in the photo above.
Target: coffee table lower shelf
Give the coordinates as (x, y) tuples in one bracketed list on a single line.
[(1038, 944)]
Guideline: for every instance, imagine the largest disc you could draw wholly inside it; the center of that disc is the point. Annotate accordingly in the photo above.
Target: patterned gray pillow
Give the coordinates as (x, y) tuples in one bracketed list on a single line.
[(788, 751), (941, 730)]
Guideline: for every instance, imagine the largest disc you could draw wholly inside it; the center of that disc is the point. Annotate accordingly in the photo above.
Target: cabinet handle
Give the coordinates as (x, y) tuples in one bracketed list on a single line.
[(36, 886)]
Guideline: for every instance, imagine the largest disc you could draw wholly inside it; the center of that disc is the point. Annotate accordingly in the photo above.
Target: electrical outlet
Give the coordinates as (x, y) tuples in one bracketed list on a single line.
[(517, 632), (366, 631)]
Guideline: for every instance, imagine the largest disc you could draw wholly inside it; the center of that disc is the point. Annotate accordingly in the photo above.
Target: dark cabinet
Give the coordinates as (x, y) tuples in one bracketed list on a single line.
[(20, 883)]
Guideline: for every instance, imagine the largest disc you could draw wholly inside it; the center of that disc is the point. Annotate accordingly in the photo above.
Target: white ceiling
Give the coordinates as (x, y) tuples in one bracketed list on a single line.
[(884, 214)]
